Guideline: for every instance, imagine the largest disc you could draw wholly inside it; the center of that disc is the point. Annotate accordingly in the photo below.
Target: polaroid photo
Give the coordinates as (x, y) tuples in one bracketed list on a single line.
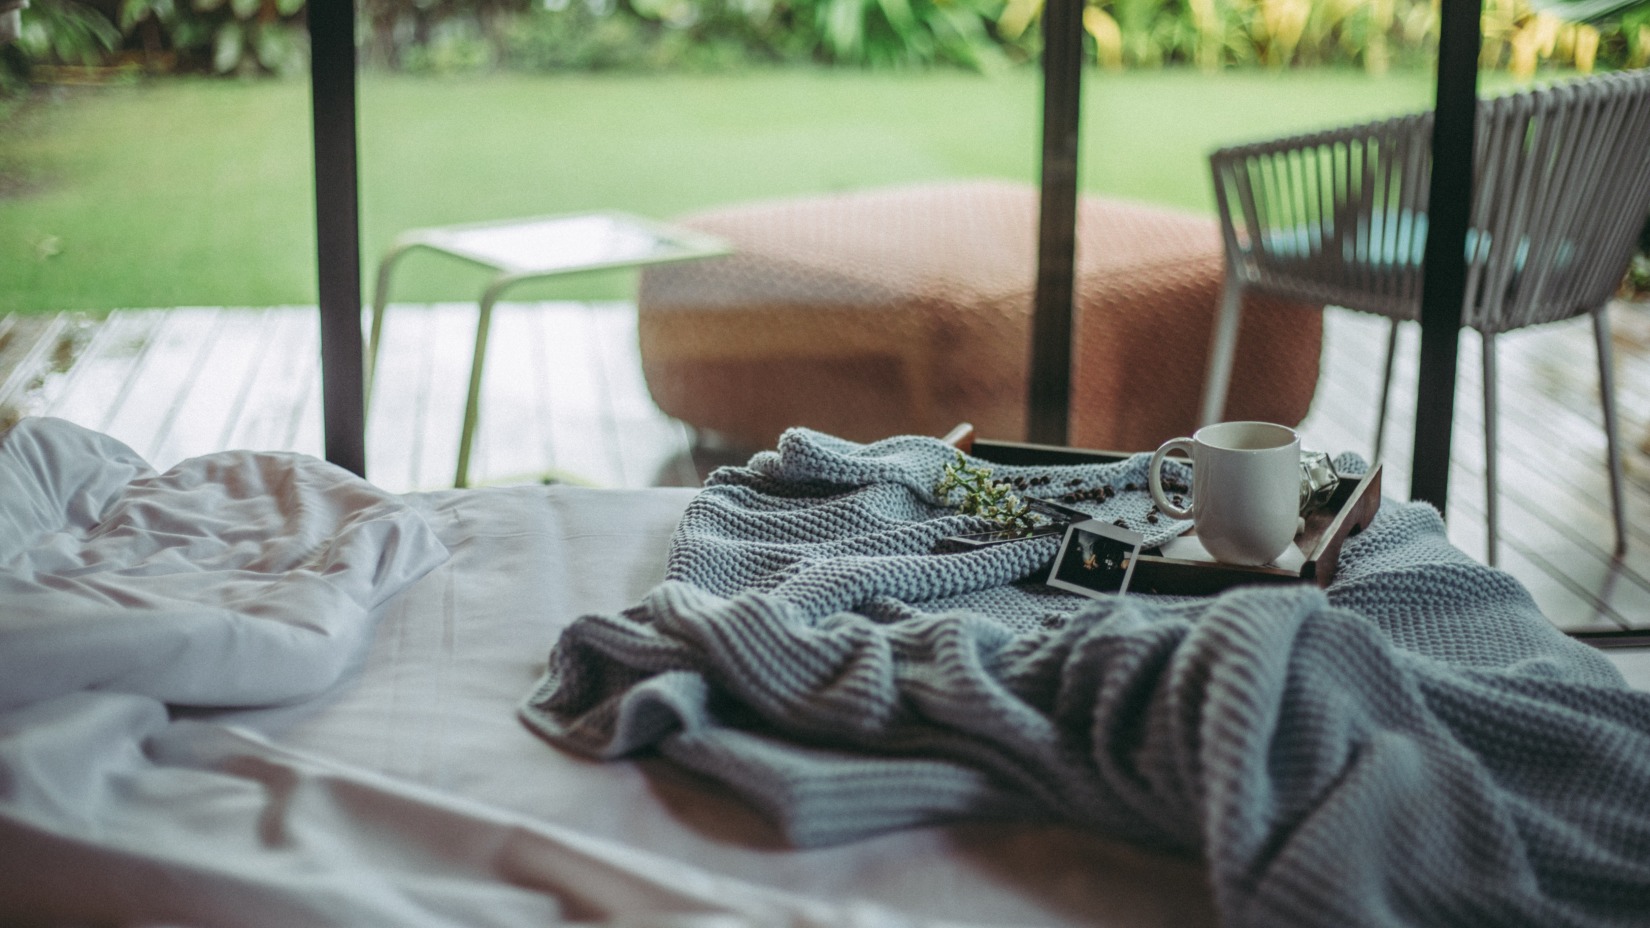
[(1096, 559)]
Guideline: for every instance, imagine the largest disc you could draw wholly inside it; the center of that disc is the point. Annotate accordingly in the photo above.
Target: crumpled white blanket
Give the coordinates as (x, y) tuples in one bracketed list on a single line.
[(234, 579)]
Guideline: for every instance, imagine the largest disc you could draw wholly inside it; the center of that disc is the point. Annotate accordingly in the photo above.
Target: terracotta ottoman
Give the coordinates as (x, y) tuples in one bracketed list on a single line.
[(908, 310)]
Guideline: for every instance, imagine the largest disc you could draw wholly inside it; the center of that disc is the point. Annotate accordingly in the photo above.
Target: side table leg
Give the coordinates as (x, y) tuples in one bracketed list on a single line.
[(380, 299), (472, 402)]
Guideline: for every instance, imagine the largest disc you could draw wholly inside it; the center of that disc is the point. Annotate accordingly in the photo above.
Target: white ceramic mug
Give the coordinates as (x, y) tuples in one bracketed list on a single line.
[(1246, 486)]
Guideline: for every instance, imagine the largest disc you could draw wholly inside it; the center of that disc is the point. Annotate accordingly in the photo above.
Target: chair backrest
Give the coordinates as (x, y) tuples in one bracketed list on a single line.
[(1562, 187)]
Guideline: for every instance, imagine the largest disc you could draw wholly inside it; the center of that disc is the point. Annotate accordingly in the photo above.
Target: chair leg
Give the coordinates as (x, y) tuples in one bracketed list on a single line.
[(1491, 483), (1386, 389), (1219, 375), (1607, 398)]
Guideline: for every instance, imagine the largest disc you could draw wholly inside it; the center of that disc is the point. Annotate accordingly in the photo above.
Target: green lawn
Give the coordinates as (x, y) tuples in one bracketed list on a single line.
[(197, 192)]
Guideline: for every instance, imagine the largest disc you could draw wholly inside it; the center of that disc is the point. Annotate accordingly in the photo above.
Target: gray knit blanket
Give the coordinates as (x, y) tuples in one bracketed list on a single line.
[(1416, 745)]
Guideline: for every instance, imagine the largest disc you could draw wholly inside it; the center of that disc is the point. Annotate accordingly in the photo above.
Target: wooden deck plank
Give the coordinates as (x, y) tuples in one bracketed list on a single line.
[(264, 420), (602, 380), (609, 381), (82, 335), (397, 420), (538, 333), (28, 349), (105, 368), (228, 359), (164, 447), (651, 447), (157, 379), (430, 421), (306, 433), (270, 329), (450, 330), (579, 432), (1565, 367), (511, 441), (1568, 413)]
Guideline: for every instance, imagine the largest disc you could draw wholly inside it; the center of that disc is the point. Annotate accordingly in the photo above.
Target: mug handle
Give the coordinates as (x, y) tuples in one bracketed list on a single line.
[(1154, 477)]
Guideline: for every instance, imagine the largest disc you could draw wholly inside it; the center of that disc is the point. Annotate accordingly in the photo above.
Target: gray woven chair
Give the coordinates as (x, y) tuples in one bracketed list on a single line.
[(1562, 188)]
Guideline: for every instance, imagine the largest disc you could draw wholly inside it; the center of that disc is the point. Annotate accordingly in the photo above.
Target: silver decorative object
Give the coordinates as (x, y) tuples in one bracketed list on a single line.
[(1318, 480)]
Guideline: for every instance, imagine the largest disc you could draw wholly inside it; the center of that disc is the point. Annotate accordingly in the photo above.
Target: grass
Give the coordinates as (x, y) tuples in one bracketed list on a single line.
[(198, 192)]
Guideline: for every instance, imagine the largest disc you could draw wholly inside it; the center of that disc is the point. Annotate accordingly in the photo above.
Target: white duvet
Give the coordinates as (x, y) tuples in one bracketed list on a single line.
[(135, 606), (234, 579)]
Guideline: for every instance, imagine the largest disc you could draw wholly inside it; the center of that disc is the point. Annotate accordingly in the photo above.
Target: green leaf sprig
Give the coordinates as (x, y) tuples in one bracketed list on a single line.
[(994, 500)]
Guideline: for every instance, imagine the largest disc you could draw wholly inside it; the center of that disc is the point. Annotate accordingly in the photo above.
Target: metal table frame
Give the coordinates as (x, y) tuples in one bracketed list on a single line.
[(516, 249)]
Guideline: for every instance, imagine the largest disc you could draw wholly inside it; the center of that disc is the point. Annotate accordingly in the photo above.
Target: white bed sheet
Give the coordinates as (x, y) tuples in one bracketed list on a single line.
[(434, 705)]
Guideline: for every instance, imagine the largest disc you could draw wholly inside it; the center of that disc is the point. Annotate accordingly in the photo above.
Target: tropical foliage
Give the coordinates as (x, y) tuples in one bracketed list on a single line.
[(1624, 27), (63, 30), (1374, 34), (219, 36), (266, 36), (224, 36)]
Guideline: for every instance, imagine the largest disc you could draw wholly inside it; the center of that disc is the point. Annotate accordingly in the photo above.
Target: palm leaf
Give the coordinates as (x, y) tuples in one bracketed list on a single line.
[(1584, 11)]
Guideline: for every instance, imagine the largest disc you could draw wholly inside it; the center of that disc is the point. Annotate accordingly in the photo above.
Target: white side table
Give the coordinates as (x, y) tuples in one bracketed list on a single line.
[(529, 249)]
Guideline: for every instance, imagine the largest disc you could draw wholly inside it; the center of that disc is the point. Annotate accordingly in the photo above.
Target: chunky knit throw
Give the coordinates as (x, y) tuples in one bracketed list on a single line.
[(1416, 745)]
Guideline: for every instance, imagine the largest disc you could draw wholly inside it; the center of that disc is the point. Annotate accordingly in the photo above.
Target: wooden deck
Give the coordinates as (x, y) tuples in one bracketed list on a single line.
[(565, 400)]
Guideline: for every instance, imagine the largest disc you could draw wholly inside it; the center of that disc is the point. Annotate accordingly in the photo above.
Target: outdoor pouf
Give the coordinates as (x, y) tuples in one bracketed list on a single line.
[(908, 310)]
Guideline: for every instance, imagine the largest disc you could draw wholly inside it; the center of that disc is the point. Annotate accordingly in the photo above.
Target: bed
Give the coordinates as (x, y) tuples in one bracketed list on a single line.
[(256, 690)]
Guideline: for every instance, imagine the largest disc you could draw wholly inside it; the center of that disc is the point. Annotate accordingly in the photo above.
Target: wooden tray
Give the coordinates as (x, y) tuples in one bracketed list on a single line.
[(1348, 512)]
